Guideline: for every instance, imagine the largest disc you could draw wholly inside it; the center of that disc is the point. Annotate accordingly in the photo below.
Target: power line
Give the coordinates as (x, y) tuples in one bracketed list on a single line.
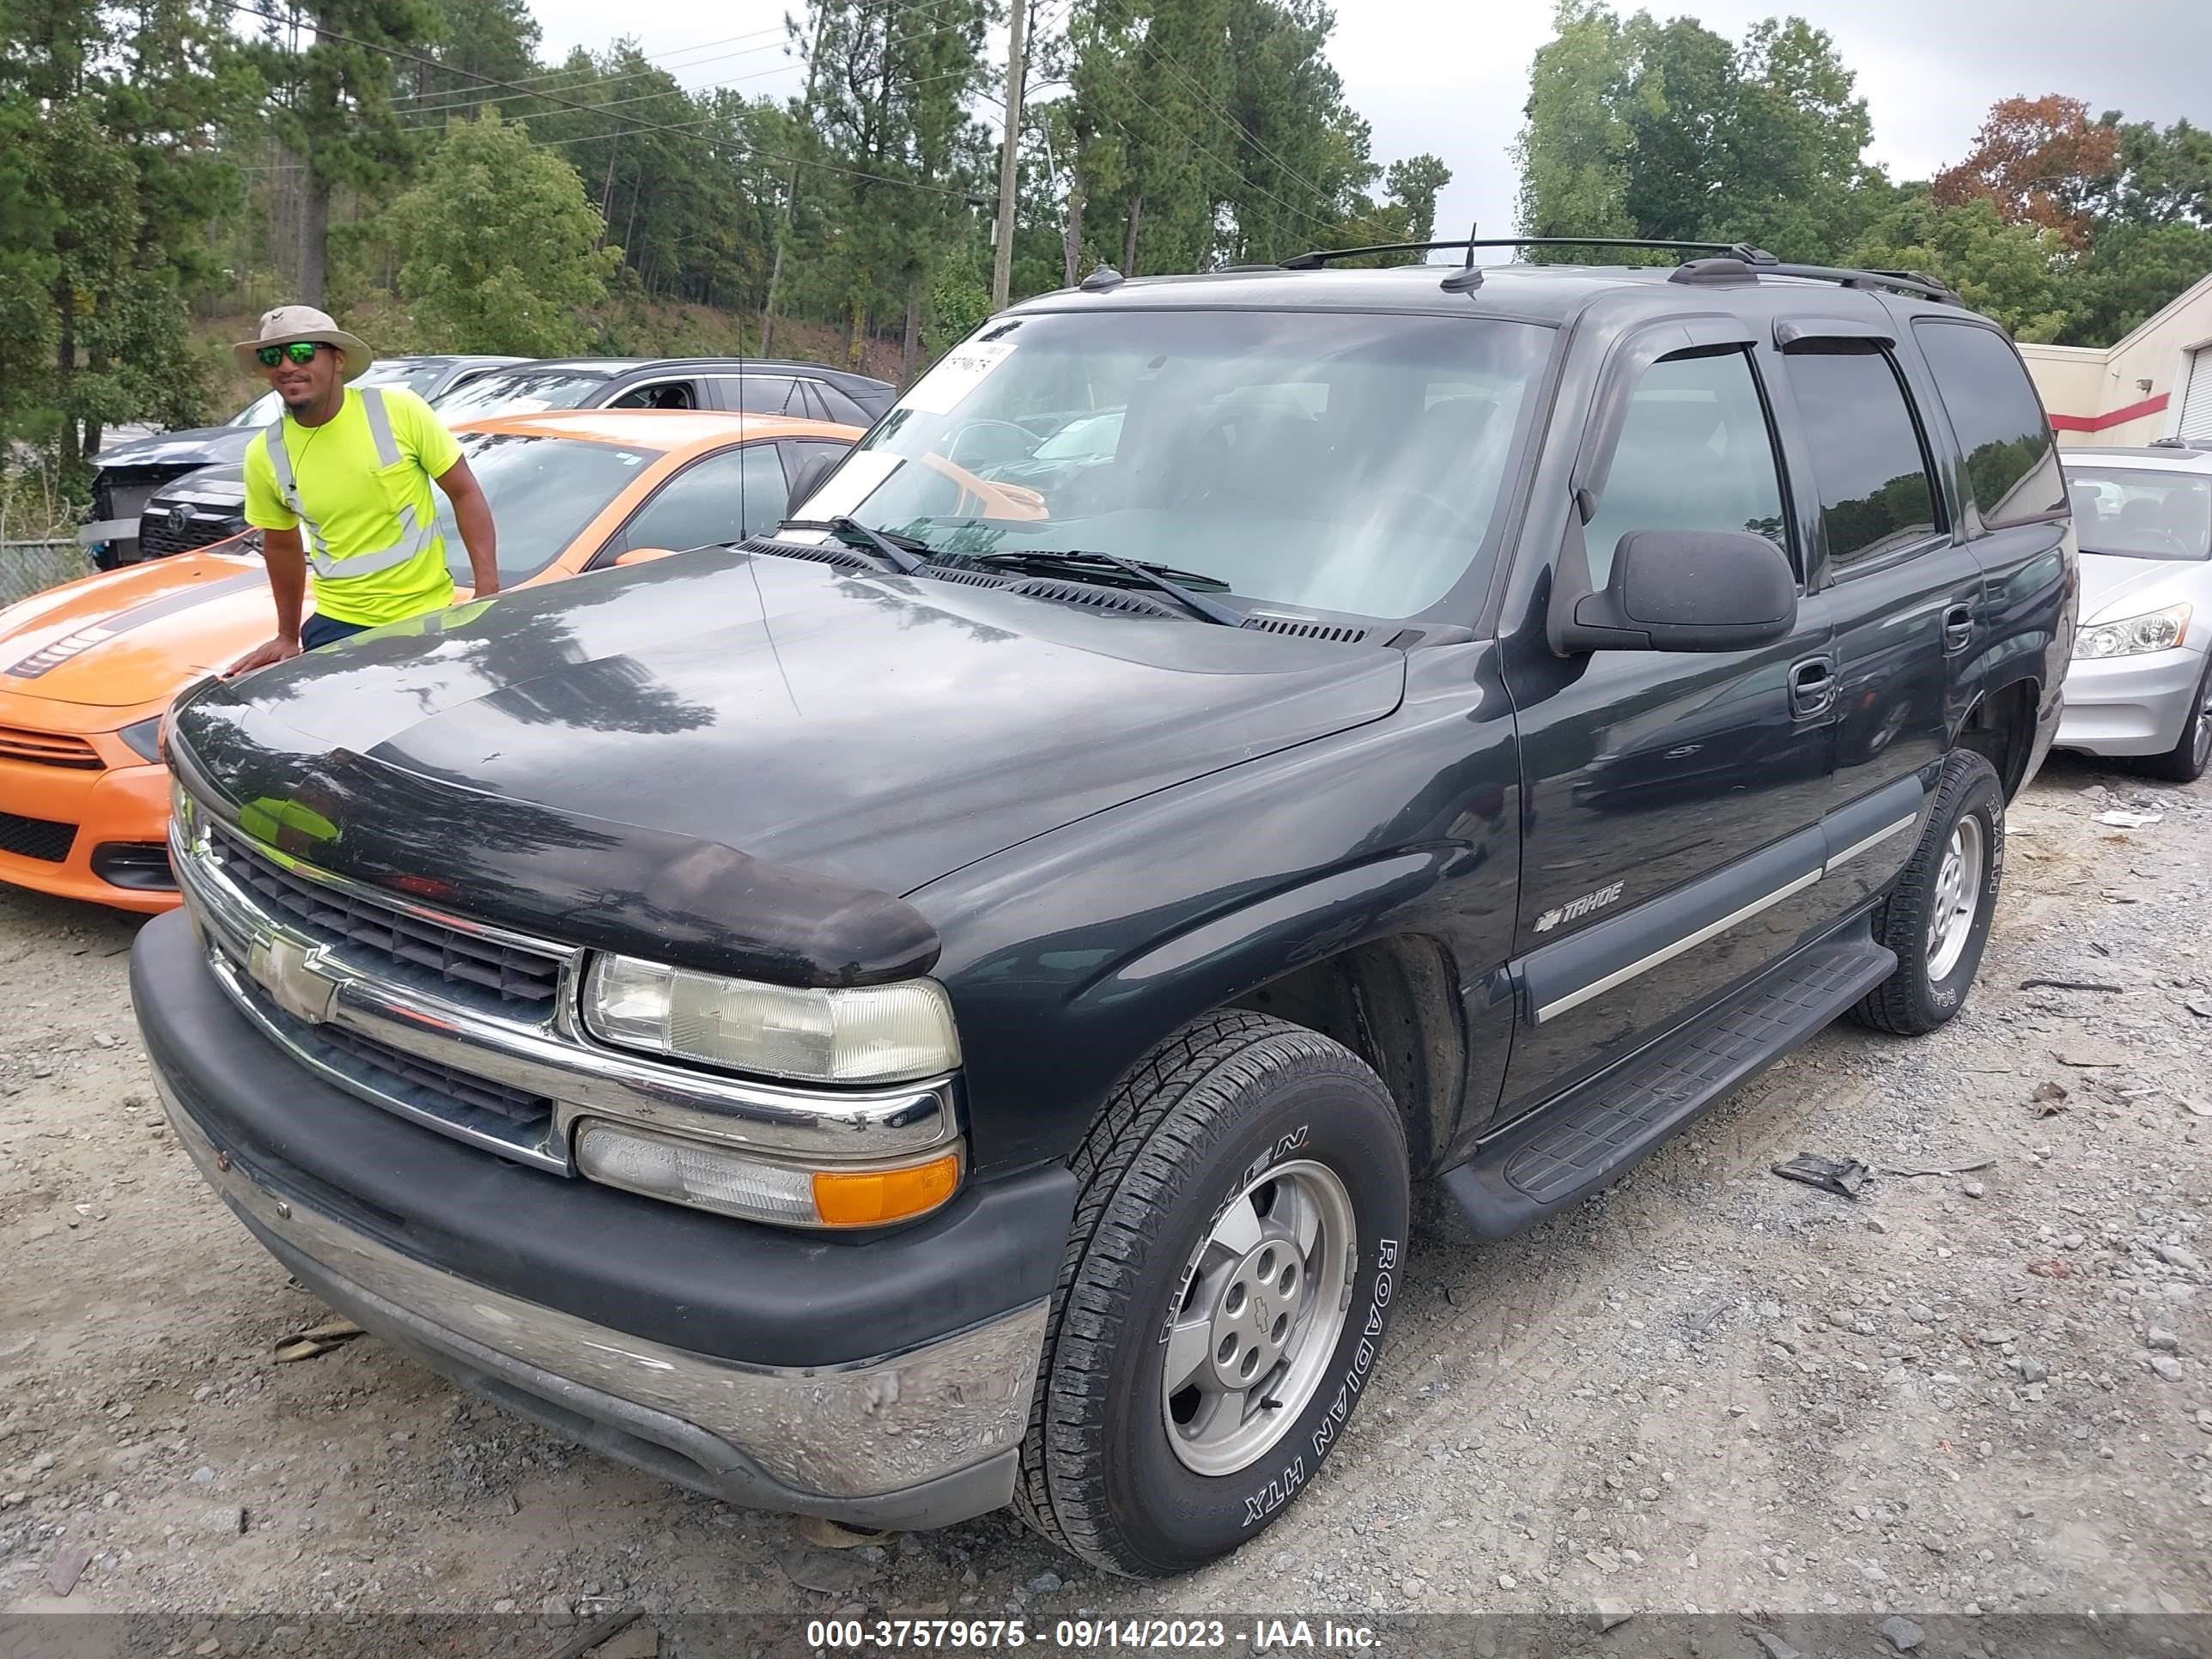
[(629, 125), (465, 102), (1227, 114), (419, 98), (1125, 85)]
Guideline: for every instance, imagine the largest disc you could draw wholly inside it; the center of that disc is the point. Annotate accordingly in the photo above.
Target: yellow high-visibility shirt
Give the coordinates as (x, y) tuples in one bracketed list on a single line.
[(358, 500)]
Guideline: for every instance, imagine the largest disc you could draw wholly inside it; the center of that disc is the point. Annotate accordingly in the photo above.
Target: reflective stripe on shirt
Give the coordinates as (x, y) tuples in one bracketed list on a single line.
[(415, 536)]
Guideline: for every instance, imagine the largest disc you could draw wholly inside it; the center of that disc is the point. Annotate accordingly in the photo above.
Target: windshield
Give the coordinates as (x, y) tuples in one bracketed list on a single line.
[(524, 392), (1336, 461), (2138, 514), (416, 378), (542, 491)]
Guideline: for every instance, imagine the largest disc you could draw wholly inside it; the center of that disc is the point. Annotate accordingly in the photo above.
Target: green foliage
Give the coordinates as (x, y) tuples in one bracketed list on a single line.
[(2131, 272), (101, 201), (2164, 176), (2061, 228), (1637, 129), (960, 300), (2017, 273), (1574, 151), (501, 249)]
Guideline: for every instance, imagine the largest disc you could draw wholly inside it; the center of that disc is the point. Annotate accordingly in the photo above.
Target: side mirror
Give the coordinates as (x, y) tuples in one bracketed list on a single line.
[(644, 555), (1687, 590), (804, 483)]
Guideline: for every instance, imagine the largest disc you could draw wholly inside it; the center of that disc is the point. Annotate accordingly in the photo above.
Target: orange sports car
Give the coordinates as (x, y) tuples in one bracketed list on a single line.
[(87, 669)]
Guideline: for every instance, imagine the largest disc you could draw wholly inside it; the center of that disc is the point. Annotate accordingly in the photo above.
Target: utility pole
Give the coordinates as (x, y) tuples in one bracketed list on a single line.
[(1002, 261)]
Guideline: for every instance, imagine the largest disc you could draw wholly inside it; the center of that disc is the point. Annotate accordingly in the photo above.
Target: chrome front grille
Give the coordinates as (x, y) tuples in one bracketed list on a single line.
[(473, 1030), (480, 1094), (520, 982)]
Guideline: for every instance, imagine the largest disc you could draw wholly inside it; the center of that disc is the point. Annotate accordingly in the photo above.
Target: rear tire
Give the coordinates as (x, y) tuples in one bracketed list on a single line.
[(1241, 1224), (1937, 915), (2185, 761)]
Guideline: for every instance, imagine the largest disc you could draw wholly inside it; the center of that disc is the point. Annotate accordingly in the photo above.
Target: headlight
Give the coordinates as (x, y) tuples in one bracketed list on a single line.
[(144, 738), (707, 1177), (871, 1034), (2132, 636)]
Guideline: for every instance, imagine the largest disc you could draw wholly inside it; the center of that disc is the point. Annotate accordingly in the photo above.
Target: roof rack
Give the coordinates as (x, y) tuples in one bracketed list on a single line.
[(1735, 260), (1315, 259), (1902, 281)]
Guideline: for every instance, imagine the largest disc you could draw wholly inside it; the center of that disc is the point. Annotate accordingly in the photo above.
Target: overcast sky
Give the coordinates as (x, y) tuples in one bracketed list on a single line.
[(1451, 75)]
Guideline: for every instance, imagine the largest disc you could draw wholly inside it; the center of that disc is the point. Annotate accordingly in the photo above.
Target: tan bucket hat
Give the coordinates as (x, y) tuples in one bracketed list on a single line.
[(288, 322)]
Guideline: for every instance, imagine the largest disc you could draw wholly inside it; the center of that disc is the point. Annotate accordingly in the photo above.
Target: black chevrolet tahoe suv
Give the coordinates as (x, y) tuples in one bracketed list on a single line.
[(908, 1016)]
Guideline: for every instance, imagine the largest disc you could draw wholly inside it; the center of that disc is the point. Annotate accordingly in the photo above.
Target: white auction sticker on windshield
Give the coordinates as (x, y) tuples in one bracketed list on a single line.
[(958, 372), (854, 481)]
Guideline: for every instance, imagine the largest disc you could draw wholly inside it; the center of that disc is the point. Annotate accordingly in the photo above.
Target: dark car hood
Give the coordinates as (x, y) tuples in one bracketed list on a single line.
[(199, 446), (221, 484), (857, 736)]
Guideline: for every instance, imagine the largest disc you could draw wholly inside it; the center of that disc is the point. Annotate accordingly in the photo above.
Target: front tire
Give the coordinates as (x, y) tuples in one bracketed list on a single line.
[(1224, 1296), (1937, 915), (2185, 761)]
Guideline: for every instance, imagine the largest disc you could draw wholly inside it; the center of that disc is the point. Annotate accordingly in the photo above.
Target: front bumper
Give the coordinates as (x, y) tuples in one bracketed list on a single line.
[(883, 1381), (123, 806), (2130, 705)]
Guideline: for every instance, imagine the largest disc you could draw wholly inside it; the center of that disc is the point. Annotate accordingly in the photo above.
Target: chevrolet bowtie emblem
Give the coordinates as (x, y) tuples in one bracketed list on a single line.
[(283, 968)]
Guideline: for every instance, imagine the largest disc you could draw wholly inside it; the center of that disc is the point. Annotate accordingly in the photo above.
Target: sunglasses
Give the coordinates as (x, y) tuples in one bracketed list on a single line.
[(300, 351)]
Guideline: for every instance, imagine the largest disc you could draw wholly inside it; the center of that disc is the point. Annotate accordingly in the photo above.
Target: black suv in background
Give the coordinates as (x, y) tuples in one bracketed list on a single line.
[(208, 505), (942, 1008)]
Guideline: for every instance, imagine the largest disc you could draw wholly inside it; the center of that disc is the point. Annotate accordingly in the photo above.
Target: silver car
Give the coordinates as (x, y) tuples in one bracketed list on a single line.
[(2140, 683)]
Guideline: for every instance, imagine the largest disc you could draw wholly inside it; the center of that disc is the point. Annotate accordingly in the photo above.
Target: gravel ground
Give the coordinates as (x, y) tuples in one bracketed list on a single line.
[(1978, 1394)]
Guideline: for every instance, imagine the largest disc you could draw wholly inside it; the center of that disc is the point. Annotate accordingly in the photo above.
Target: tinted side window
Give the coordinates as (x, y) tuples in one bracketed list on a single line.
[(2012, 460), (837, 406), (1876, 493), (1695, 454), (660, 394), (724, 498), (766, 394)]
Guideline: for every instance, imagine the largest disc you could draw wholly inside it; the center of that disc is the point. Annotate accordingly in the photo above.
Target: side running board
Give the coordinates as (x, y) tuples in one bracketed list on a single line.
[(1590, 1137)]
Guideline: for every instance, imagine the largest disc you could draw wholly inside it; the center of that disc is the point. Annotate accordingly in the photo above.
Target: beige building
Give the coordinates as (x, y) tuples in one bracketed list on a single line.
[(2156, 383)]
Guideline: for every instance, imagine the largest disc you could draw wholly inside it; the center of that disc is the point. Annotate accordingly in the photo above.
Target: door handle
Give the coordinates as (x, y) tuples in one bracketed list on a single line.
[(1812, 688), (1957, 629)]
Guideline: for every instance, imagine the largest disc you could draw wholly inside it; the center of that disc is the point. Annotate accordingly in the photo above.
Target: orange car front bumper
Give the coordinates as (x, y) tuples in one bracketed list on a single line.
[(90, 835)]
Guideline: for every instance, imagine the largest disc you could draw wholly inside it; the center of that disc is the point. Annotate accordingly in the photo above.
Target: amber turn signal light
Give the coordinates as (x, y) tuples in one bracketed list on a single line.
[(870, 1198)]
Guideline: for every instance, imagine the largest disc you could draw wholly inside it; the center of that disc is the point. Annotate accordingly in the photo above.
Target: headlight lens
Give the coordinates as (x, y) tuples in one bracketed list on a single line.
[(871, 1034), (2133, 636), (144, 738), (710, 1177)]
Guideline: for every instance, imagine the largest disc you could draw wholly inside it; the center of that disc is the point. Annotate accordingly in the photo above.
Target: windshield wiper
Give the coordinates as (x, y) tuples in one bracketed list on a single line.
[(1160, 577), (900, 553)]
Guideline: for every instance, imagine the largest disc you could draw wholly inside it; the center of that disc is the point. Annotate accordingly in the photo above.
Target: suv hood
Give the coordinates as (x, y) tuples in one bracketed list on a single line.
[(223, 483), (201, 446), (673, 743)]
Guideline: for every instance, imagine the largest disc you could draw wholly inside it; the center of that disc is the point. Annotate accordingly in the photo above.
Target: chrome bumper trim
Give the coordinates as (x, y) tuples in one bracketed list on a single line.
[(854, 1430), (547, 1058)]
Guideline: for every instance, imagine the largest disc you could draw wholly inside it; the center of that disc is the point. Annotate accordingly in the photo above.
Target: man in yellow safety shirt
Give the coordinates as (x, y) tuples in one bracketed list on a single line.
[(339, 486)]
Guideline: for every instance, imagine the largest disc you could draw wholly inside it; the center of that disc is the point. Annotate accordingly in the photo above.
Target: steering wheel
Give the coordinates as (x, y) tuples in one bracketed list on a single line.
[(1025, 440)]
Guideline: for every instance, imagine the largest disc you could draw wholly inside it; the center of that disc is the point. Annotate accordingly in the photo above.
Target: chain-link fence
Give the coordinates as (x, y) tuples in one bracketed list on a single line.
[(28, 568)]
